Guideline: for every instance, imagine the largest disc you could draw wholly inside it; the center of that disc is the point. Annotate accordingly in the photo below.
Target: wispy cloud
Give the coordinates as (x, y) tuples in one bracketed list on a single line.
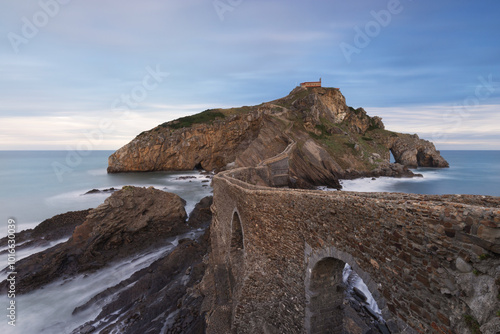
[(90, 53), (480, 128)]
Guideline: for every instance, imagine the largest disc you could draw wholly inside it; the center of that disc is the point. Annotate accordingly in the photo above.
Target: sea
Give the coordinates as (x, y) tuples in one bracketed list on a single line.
[(470, 172), (36, 185)]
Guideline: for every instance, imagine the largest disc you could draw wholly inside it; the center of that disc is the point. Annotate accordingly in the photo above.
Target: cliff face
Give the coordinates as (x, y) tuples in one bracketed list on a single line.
[(330, 141)]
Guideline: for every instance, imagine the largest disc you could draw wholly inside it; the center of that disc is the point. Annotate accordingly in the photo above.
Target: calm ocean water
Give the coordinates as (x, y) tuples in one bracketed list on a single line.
[(470, 172), (36, 185)]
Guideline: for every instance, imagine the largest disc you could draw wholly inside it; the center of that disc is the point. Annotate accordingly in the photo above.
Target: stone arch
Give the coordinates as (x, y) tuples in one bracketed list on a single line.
[(236, 250), (236, 233), (330, 261), (326, 291)]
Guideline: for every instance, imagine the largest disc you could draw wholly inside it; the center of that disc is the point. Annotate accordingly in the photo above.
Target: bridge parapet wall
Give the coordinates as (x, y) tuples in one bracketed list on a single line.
[(430, 261)]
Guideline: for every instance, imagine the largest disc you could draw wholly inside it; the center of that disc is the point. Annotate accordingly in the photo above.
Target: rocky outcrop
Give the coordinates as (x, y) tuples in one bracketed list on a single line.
[(326, 139), (384, 169), (49, 231), (412, 151), (201, 216), (162, 298), (206, 146), (131, 220)]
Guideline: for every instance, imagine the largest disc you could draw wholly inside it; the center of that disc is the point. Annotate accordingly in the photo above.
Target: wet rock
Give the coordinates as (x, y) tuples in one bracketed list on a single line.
[(185, 177), (383, 328), (201, 215), (166, 298), (97, 191), (53, 229), (360, 294), (130, 220)]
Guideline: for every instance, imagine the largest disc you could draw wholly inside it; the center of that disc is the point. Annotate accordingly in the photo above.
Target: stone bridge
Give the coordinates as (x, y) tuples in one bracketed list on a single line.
[(432, 263)]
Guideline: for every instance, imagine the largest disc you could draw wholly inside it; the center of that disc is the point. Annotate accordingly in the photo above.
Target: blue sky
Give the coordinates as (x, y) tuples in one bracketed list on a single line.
[(93, 74)]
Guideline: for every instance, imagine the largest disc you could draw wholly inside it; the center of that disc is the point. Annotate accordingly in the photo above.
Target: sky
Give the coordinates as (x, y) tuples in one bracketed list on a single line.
[(91, 75)]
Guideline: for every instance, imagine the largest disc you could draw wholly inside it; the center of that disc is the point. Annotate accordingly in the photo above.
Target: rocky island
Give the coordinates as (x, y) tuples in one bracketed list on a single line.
[(327, 140)]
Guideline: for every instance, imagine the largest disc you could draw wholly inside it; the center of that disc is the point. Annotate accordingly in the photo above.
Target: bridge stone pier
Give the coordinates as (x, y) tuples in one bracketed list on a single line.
[(432, 263)]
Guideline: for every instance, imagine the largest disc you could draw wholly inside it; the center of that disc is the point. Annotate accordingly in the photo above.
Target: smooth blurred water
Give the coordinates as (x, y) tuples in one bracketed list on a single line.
[(34, 186), (470, 172)]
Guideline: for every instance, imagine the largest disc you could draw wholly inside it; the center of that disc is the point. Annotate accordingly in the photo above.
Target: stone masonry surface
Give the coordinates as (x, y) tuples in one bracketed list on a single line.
[(431, 262)]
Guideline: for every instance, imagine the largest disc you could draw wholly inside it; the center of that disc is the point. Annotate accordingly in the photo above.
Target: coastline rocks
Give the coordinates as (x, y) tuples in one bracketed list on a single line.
[(384, 169), (202, 146), (97, 191), (162, 298), (311, 166), (201, 216), (393, 170), (413, 152), (130, 220), (52, 229)]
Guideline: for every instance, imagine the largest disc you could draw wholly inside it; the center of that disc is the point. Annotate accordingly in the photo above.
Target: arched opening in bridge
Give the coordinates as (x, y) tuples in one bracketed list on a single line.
[(236, 250), (338, 301), (326, 292)]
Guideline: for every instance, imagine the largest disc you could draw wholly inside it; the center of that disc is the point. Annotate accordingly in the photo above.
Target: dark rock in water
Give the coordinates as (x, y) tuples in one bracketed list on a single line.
[(87, 330), (358, 316), (372, 312), (97, 191), (185, 177), (383, 329), (130, 220), (55, 228), (360, 294), (393, 170)]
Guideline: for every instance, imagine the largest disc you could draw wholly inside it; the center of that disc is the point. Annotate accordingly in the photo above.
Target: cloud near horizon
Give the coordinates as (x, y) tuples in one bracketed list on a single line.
[(412, 68)]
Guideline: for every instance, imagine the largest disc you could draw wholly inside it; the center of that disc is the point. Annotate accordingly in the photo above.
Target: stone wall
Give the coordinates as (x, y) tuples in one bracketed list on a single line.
[(431, 262)]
